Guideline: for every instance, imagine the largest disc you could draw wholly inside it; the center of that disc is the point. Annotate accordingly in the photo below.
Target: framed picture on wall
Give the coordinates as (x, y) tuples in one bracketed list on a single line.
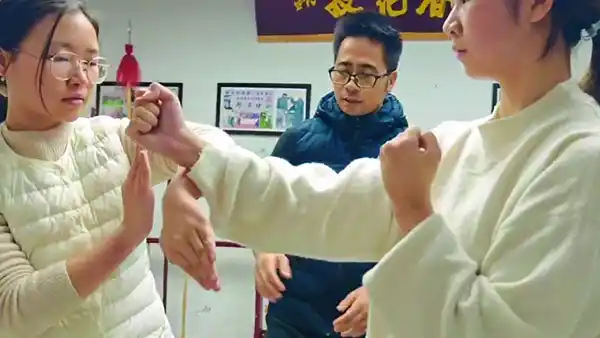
[(496, 92), (261, 108), (110, 97)]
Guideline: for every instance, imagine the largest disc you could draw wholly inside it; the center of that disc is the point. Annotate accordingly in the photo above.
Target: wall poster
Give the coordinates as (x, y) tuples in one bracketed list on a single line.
[(261, 108), (110, 97)]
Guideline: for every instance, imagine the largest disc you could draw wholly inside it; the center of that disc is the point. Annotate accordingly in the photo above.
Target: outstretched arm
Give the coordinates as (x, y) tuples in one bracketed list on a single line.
[(308, 210)]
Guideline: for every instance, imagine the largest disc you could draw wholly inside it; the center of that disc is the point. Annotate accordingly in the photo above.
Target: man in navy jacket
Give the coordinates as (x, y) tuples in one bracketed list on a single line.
[(317, 299)]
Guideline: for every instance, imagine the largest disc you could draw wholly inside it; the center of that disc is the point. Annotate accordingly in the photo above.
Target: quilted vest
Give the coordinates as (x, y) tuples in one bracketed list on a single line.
[(56, 209)]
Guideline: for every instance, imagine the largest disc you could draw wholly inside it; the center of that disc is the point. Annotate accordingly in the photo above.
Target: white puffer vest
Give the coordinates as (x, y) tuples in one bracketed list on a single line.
[(57, 209)]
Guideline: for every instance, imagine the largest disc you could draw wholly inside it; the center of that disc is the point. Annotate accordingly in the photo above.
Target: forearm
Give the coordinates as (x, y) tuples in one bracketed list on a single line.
[(31, 301), (89, 270), (310, 210)]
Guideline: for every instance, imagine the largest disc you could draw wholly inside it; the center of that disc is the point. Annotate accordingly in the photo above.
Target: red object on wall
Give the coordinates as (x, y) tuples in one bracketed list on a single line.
[(129, 73)]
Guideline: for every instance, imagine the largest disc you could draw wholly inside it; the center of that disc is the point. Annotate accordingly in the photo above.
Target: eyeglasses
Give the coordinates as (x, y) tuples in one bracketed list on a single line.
[(343, 77), (65, 65)]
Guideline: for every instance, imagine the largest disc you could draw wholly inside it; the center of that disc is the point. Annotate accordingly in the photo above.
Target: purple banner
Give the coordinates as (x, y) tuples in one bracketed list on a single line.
[(294, 18)]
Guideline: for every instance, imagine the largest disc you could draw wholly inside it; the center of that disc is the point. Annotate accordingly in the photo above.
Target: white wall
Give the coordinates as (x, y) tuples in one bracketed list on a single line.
[(201, 43)]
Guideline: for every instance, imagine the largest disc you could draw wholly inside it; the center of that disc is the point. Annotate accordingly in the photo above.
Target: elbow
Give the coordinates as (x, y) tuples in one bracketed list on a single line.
[(13, 320)]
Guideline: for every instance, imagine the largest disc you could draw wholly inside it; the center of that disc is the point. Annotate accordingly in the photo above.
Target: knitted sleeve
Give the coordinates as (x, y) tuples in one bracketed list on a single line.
[(31, 301)]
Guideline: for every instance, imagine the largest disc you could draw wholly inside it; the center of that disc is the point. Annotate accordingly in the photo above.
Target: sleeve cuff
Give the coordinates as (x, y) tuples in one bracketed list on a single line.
[(207, 171), (56, 278), (413, 278)]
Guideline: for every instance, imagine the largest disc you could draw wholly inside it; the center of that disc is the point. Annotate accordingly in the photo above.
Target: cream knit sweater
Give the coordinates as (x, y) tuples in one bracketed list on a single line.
[(513, 250), (60, 193)]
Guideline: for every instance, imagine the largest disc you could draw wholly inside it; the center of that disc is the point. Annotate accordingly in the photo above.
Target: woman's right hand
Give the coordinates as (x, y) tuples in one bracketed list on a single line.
[(138, 200)]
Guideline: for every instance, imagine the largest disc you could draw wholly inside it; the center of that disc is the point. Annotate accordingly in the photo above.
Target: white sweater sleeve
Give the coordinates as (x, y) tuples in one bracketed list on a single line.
[(536, 280), (31, 301), (308, 210)]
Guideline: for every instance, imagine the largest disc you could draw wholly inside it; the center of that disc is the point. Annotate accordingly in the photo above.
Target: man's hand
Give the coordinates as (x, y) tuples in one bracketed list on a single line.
[(270, 268), (187, 237), (353, 323)]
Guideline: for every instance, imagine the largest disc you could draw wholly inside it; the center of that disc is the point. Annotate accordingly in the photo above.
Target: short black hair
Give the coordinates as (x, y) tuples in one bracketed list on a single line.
[(373, 26)]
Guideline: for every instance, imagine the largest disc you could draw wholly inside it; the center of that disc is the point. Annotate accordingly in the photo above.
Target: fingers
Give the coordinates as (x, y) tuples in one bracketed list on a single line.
[(283, 265), (358, 329), (412, 131), (145, 117), (155, 93), (206, 239), (430, 143), (352, 319), (164, 93), (268, 283), (412, 137), (134, 167), (271, 276), (202, 271), (139, 92), (346, 302), (142, 171), (350, 323), (207, 277)]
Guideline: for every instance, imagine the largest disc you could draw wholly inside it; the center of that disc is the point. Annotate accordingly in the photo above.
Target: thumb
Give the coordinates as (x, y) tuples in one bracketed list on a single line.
[(413, 131), (429, 142), (162, 93), (346, 302), (135, 164), (283, 264), (139, 92), (144, 168), (146, 95)]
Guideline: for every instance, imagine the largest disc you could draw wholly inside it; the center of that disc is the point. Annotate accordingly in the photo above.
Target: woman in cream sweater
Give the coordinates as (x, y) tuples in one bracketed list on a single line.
[(72, 264), (484, 229)]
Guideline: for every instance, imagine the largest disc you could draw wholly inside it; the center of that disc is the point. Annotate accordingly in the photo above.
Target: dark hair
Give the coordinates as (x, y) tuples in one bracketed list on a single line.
[(19, 17), (3, 108), (569, 18), (373, 26)]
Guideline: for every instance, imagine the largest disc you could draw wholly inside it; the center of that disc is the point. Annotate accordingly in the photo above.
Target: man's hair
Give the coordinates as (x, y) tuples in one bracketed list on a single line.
[(373, 26)]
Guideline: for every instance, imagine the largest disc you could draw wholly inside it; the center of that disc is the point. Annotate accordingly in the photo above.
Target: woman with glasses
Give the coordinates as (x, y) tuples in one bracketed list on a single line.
[(76, 201)]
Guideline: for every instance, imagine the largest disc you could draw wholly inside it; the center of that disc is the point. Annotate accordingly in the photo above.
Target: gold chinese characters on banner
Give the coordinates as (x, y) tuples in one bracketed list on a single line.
[(313, 20)]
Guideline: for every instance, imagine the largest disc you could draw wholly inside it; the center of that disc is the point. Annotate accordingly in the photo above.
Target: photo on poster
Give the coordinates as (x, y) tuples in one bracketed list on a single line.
[(110, 97), (261, 108)]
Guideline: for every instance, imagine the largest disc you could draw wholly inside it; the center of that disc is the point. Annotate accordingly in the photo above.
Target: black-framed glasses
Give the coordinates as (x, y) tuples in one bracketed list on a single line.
[(64, 65), (361, 80)]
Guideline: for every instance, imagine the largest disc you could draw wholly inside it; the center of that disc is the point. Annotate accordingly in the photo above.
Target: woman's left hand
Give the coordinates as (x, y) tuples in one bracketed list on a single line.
[(409, 164)]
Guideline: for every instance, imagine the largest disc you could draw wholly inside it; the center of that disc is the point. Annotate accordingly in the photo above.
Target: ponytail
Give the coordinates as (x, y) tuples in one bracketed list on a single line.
[(591, 81)]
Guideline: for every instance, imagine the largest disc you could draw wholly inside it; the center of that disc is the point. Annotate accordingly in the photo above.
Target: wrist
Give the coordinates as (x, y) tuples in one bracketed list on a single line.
[(126, 240), (408, 216), (191, 147), (181, 185)]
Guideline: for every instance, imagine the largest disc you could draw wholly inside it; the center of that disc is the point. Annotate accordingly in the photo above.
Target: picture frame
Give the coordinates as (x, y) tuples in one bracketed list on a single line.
[(110, 97), (263, 109), (496, 94)]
